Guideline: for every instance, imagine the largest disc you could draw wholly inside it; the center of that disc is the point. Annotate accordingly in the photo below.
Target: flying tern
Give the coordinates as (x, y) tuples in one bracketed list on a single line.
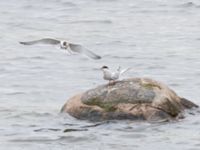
[(70, 47)]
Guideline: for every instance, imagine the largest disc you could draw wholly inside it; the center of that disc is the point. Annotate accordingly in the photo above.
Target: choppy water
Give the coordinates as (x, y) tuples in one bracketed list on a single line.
[(160, 39)]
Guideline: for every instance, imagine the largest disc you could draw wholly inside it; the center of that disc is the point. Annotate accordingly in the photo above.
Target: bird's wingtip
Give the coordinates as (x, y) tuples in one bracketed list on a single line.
[(22, 43), (98, 57)]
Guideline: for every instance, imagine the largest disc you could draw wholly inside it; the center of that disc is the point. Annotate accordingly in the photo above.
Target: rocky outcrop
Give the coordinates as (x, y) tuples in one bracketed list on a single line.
[(135, 99)]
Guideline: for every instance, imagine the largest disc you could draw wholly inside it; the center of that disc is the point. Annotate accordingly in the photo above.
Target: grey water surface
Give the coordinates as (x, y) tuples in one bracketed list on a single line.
[(159, 39)]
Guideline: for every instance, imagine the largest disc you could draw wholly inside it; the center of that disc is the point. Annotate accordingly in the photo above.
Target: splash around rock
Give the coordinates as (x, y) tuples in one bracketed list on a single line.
[(134, 99)]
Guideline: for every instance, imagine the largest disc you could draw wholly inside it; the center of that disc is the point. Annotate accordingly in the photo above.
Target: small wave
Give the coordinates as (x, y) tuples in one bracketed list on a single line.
[(173, 84), (198, 39), (69, 4), (106, 0), (46, 129), (30, 114), (42, 139), (7, 110), (28, 6), (189, 5), (74, 139), (110, 43), (92, 21), (25, 58), (16, 93), (34, 139), (156, 67), (123, 57), (37, 57), (72, 130), (18, 58)]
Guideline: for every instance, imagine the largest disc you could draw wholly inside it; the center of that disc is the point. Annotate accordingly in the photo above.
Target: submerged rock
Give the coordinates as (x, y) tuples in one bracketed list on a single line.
[(135, 99)]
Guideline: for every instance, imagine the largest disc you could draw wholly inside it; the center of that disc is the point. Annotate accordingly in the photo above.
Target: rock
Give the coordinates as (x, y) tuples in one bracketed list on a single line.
[(134, 98)]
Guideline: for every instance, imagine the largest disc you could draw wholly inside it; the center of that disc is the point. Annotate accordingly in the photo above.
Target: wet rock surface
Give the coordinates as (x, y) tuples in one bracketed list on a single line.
[(135, 99)]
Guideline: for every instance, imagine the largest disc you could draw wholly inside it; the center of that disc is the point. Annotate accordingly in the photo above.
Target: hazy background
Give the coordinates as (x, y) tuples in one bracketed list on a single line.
[(159, 39)]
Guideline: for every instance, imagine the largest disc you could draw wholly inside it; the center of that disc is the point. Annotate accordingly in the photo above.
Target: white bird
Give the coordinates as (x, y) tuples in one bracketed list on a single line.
[(112, 76), (70, 47)]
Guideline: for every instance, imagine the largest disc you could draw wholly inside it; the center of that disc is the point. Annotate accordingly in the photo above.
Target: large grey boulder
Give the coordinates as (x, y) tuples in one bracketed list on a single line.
[(134, 98)]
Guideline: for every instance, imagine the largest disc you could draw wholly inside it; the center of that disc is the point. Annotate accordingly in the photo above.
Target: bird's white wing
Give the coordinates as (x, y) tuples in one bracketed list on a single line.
[(80, 49), (42, 41), (124, 70), (115, 75)]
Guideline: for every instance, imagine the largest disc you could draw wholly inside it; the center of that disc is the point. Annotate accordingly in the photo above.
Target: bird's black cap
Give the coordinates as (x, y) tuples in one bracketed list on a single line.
[(65, 43), (104, 67)]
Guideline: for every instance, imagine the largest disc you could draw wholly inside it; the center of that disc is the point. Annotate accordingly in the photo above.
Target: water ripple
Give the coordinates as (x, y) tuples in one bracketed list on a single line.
[(91, 21), (157, 38)]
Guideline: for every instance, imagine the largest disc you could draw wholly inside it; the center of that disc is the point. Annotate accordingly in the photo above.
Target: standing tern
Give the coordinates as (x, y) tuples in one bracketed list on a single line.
[(112, 76), (70, 47)]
